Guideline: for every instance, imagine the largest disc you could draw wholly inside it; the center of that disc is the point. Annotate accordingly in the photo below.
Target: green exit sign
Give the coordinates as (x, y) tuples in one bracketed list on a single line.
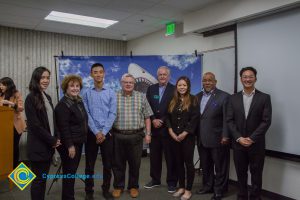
[(170, 29)]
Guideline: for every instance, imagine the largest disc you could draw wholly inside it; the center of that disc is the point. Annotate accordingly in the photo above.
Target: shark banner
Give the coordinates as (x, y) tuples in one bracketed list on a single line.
[(143, 68)]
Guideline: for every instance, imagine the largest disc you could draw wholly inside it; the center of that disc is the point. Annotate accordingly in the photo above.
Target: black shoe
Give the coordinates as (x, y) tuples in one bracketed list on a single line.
[(204, 191), (217, 197), (151, 184), (171, 189), (107, 195), (89, 196)]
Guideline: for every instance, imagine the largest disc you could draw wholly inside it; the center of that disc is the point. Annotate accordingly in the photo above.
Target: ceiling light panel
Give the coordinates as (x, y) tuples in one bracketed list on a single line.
[(79, 19)]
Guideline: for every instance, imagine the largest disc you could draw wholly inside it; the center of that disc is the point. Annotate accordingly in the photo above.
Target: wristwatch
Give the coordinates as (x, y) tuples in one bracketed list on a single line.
[(148, 133)]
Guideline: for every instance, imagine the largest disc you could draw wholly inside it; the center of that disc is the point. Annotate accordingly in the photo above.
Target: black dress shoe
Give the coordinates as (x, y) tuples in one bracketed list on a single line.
[(204, 191), (217, 197), (107, 195)]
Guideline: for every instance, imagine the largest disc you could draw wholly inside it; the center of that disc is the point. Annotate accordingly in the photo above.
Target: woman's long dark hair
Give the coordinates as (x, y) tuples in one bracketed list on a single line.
[(35, 88), (187, 99), (10, 88)]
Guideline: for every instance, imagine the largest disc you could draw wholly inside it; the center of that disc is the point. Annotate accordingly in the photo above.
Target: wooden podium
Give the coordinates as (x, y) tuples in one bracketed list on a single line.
[(6, 141)]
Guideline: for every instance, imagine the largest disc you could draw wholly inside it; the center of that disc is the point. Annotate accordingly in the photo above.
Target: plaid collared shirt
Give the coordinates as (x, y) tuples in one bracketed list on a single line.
[(132, 110)]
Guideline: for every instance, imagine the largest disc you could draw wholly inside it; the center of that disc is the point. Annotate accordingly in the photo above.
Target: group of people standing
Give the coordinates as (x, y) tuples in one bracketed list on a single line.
[(218, 120), (101, 118), (168, 117)]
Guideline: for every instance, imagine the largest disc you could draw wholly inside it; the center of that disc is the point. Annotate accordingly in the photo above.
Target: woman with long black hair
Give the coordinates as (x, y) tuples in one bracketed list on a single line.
[(11, 97), (42, 135), (183, 116)]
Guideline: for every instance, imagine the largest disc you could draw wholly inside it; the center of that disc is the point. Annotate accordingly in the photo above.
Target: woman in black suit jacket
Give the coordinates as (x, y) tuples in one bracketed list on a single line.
[(183, 116), (42, 136), (72, 123)]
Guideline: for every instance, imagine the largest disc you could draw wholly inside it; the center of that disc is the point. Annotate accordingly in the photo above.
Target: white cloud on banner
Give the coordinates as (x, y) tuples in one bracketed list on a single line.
[(180, 62), (67, 67), (87, 81), (113, 84), (115, 67)]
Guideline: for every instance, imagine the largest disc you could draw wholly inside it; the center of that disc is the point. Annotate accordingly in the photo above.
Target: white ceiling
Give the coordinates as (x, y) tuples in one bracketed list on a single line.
[(136, 17)]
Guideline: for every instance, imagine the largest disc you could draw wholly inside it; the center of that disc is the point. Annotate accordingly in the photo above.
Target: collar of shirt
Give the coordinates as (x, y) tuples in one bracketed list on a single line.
[(248, 95), (125, 95), (94, 88), (208, 93), (162, 86)]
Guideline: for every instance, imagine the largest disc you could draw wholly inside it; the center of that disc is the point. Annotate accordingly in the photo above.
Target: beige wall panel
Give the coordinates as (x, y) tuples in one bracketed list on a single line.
[(22, 50)]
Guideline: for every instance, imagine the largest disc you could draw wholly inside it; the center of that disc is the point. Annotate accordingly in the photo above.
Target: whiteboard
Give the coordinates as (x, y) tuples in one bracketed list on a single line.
[(221, 63), (272, 45)]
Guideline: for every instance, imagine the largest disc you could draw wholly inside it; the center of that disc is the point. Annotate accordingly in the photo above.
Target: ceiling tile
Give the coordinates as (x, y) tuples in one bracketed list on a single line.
[(129, 5), (126, 27), (162, 11), (14, 10), (154, 1), (44, 5), (144, 20), (111, 14), (18, 19), (55, 5), (72, 27), (16, 25), (97, 3), (30, 14), (187, 5)]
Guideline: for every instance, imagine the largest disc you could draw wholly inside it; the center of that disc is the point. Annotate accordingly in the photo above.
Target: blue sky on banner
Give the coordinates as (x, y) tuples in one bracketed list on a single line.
[(116, 66)]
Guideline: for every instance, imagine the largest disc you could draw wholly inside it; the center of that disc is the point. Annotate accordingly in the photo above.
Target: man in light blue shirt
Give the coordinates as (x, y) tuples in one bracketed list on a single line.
[(100, 103)]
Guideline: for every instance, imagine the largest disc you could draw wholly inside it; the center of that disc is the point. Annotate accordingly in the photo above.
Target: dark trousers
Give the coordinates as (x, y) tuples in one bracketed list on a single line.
[(127, 148), (184, 155), (162, 144), (91, 152), (38, 185), (17, 137), (255, 161), (69, 166), (215, 166)]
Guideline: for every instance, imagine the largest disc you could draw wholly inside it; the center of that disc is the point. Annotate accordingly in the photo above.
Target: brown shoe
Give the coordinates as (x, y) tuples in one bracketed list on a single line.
[(134, 192), (117, 193)]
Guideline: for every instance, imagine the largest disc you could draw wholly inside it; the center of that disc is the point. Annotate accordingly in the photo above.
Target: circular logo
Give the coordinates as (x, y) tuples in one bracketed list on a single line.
[(22, 176)]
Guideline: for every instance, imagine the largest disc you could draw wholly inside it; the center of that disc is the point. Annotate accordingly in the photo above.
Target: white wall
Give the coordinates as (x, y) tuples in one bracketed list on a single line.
[(231, 11), (158, 44), (280, 176)]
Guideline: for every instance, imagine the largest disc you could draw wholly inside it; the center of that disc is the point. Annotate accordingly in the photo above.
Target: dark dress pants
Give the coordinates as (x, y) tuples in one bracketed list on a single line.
[(184, 155), (38, 185), (215, 166), (162, 144), (17, 137), (91, 152), (69, 166), (255, 160), (127, 148)]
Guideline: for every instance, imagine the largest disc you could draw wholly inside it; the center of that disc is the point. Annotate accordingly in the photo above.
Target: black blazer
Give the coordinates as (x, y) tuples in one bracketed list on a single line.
[(212, 126), (186, 120), (257, 123), (72, 121), (160, 110), (39, 138)]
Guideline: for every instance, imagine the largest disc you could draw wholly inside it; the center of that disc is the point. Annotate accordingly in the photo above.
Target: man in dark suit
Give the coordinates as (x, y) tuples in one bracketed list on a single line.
[(213, 137), (248, 118), (159, 96)]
